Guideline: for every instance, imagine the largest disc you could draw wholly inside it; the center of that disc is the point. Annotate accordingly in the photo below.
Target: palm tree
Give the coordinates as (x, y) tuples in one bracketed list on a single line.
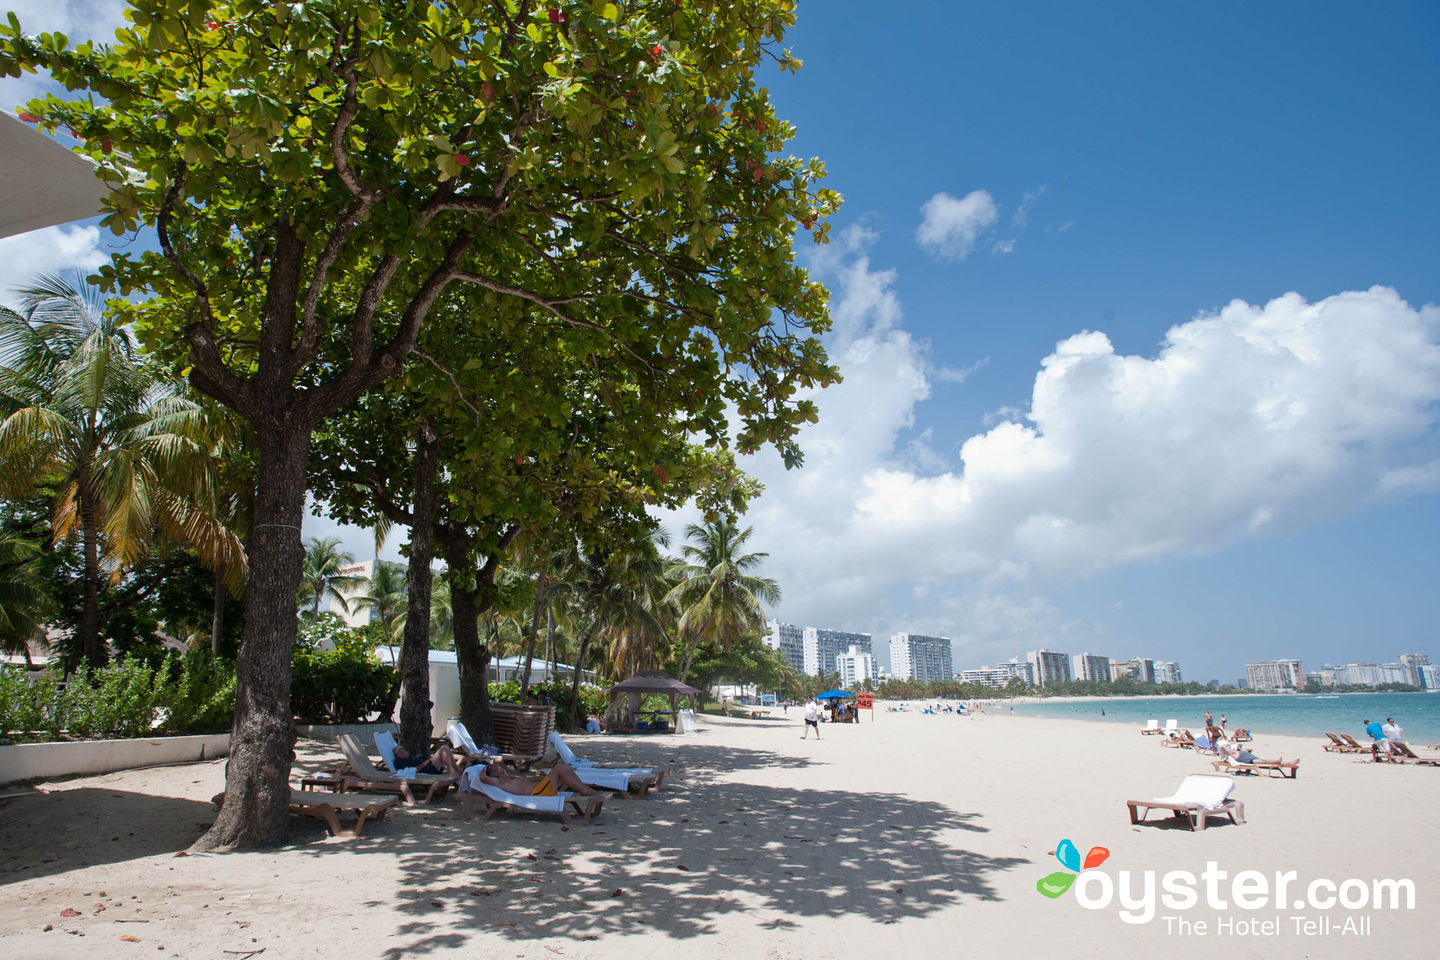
[(22, 602), (322, 576), (125, 450), (385, 595), (718, 596)]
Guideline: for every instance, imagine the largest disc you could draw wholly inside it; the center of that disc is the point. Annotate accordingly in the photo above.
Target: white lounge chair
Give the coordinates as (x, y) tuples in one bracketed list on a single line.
[(571, 807), (635, 781), (362, 774), (461, 740), (1151, 726), (1201, 795), (1172, 728)]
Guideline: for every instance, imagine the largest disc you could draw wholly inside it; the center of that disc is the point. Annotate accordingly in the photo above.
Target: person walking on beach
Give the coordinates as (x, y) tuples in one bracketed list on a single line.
[(1380, 744), (812, 719)]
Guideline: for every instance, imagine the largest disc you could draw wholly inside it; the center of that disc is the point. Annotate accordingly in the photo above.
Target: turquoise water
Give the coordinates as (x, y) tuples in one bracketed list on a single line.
[(1300, 714)]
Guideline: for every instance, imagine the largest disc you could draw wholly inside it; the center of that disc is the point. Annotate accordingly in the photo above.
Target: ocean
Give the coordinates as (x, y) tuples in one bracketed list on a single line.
[(1300, 714)]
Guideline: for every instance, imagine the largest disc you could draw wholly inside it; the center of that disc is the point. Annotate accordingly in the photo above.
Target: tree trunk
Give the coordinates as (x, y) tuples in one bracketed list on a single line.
[(534, 632), (575, 712), (217, 610), (415, 719), (90, 645), (472, 656), (257, 780)]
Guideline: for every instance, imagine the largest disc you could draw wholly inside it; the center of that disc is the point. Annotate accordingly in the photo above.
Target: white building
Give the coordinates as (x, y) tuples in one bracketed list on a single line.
[(1430, 676), (789, 640), (1360, 673), (821, 647), (1092, 666), (1167, 671), (856, 665), (1049, 666), (917, 657), (1275, 675), (999, 675)]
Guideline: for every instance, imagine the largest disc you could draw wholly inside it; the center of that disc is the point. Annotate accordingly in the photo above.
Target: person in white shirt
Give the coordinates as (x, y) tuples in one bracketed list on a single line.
[(1392, 731), (812, 719)]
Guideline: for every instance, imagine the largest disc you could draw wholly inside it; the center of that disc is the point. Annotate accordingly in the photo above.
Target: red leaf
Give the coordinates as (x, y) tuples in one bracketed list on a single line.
[(461, 160), (1095, 857), (487, 90), (129, 939), (29, 118), (69, 912), (557, 15)]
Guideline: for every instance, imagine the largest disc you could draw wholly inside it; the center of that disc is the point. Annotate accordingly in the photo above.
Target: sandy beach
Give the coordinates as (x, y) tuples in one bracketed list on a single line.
[(911, 835)]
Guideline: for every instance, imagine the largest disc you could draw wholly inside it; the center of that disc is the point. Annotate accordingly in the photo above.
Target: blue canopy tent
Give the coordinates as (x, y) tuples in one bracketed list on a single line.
[(833, 695)]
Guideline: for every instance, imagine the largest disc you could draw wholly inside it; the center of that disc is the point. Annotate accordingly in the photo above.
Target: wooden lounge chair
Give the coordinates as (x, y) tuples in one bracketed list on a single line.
[(1355, 745), (1151, 726), (328, 806), (1200, 796), (1186, 739), (1336, 745), (1288, 770), (572, 807), (1402, 749), (635, 781), (363, 775)]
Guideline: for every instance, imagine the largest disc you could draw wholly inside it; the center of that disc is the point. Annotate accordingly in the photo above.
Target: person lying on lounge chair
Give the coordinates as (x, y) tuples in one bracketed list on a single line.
[(557, 778), (1237, 754), (442, 761)]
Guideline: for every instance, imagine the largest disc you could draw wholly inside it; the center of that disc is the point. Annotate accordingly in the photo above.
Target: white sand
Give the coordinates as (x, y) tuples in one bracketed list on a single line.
[(908, 836)]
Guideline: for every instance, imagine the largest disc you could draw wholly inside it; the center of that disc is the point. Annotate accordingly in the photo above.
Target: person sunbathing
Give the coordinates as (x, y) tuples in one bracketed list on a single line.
[(1235, 753), (442, 761), (557, 778)]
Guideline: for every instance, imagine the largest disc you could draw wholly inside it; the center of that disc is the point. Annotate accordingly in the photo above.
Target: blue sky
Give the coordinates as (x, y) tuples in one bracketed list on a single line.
[(1207, 470)]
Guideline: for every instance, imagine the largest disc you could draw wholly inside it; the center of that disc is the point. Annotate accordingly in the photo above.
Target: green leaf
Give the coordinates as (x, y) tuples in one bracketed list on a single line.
[(610, 12)]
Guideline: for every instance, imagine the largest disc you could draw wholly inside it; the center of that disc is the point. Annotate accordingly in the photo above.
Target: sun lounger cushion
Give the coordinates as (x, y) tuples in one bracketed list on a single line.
[(1209, 792)]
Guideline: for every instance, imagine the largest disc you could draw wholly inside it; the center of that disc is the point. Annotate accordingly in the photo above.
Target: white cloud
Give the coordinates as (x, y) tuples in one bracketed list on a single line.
[(59, 250), (1248, 422), (78, 20), (1021, 217), (951, 228)]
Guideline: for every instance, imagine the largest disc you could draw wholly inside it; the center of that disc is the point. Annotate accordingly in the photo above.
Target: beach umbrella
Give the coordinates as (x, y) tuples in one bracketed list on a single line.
[(44, 183)]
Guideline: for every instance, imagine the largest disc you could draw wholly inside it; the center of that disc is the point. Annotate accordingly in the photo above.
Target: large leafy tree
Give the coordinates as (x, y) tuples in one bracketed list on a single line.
[(321, 175), (129, 459), (22, 602), (718, 592)]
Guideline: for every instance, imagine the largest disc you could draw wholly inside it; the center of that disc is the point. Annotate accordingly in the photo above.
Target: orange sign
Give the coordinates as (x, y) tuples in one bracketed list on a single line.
[(865, 701)]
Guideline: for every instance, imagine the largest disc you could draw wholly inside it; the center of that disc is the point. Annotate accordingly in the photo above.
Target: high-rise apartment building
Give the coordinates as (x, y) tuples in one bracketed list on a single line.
[(821, 647), (1414, 661), (789, 640), (1092, 666), (1275, 675), (1049, 666), (1167, 671), (1361, 673), (1001, 674), (855, 665), (917, 657), (1430, 676)]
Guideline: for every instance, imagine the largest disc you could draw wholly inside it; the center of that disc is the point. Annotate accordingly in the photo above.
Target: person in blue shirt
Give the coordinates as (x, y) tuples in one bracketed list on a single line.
[(1380, 744)]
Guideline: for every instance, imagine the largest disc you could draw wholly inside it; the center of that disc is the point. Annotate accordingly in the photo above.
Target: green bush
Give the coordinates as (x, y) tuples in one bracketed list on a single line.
[(189, 694), (344, 685)]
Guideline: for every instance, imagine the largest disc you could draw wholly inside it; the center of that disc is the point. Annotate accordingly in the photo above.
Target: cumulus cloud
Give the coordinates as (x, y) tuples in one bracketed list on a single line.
[(59, 250), (951, 228), (77, 19), (1251, 421)]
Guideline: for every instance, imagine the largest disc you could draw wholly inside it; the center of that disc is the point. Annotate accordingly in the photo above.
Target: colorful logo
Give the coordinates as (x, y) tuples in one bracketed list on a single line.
[(1058, 882)]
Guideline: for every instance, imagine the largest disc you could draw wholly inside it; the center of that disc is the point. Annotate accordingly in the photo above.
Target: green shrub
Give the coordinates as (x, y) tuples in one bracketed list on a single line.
[(343, 685), (193, 693)]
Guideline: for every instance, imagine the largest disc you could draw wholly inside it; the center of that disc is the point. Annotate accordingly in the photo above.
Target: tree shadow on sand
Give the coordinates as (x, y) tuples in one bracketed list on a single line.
[(50, 833), (679, 861)]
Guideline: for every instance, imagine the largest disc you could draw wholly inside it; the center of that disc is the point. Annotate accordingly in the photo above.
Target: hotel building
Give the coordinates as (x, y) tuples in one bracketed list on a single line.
[(917, 657)]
